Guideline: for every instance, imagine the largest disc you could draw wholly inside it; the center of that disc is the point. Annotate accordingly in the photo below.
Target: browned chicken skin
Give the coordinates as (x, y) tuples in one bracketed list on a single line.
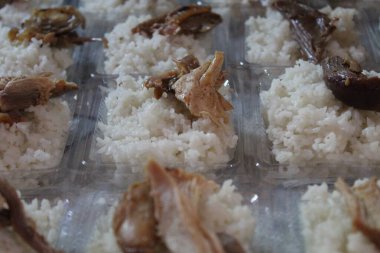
[(164, 82), (158, 213), (311, 27), (364, 204), (136, 211), (19, 93), (191, 19), (53, 26), (347, 82), (196, 87), (14, 215)]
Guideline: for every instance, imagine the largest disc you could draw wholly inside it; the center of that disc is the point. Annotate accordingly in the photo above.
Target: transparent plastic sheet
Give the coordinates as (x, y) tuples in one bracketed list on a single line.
[(272, 193)]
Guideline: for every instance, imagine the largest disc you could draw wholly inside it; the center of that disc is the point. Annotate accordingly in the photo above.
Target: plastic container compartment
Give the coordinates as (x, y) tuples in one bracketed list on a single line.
[(260, 78), (89, 187), (366, 20), (93, 110), (53, 194), (43, 176), (100, 195)]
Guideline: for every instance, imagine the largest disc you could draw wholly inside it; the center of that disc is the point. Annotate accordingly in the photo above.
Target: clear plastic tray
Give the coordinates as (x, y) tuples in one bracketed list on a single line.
[(272, 191)]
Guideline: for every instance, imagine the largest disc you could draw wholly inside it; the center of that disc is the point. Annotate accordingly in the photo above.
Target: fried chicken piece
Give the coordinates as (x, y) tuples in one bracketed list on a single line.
[(14, 215), (198, 90), (311, 27), (19, 93), (191, 19), (364, 207)]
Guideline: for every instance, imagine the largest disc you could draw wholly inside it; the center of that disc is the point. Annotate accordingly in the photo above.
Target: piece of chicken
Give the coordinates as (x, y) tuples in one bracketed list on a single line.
[(19, 93), (364, 206), (198, 90), (14, 215), (190, 19), (133, 223), (179, 223)]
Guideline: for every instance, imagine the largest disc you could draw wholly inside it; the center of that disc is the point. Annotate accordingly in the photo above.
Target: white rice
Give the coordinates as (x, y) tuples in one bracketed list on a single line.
[(115, 9), (327, 224), (47, 218), (223, 212), (14, 14), (31, 58), (306, 123), (140, 127), (270, 41), (134, 53), (37, 144)]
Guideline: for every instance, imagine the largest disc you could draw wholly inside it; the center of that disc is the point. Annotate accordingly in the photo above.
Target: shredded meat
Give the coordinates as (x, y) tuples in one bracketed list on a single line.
[(53, 26), (178, 217), (195, 86), (135, 213), (311, 27), (191, 19), (198, 90), (19, 93), (364, 206), (20, 223), (164, 82), (348, 83), (155, 215)]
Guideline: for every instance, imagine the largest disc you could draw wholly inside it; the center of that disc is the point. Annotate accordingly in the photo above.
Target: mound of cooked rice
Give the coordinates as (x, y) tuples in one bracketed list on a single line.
[(270, 40), (32, 58), (13, 14), (327, 224), (223, 212), (37, 144), (140, 127), (129, 53), (306, 123), (114, 9)]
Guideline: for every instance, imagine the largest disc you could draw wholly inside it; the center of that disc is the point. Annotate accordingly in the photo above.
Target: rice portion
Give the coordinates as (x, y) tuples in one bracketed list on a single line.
[(32, 58), (37, 144), (306, 123), (14, 14), (223, 212), (270, 39), (140, 127), (113, 9), (327, 224), (129, 53)]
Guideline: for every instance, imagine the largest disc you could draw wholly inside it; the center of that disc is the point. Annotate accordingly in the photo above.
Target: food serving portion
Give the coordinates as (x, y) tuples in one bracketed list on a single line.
[(146, 45), (33, 128), (180, 117), (33, 62), (345, 220), (27, 227), (291, 30), (306, 123), (175, 211), (52, 26)]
